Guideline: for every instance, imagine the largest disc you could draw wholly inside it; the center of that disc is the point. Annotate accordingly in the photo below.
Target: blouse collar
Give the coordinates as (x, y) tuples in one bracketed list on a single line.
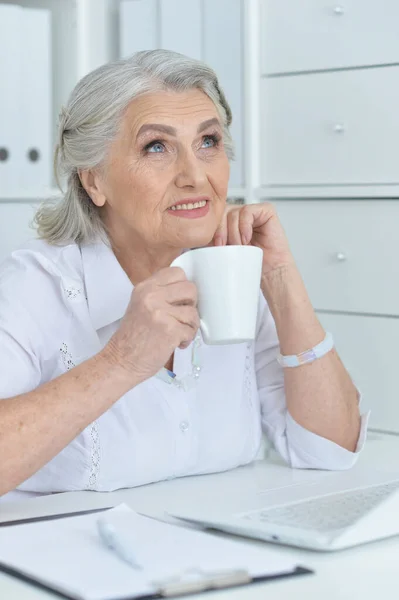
[(108, 288)]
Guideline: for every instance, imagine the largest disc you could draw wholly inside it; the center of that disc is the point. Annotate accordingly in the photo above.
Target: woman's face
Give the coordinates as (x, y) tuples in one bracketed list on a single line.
[(168, 157)]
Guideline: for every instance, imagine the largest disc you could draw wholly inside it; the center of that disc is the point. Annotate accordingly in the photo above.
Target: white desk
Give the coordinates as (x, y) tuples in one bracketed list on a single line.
[(365, 572)]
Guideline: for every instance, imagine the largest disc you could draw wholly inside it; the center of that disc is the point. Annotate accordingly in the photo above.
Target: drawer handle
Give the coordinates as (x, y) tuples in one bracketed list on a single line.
[(341, 257), (339, 128), (339, 10)]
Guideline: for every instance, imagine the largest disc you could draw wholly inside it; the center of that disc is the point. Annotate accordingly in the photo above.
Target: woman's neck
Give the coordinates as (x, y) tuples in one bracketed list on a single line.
[(140, 262)]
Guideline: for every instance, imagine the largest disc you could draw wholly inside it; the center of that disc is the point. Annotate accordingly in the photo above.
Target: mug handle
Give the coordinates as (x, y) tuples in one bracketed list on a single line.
[(204, 331), (185, 262)]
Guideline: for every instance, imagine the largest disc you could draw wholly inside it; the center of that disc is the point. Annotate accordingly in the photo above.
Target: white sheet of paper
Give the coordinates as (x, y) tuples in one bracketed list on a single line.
[(68, 555)]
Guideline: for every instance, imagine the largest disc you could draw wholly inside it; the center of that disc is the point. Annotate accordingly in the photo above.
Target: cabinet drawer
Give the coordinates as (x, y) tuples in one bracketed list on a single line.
[(308, 35), (15, 225), (331, 128), (347, 252), (368, 347)]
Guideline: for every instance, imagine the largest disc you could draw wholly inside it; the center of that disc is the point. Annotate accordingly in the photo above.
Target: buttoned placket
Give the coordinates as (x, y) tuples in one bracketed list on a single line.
[(180, 400)]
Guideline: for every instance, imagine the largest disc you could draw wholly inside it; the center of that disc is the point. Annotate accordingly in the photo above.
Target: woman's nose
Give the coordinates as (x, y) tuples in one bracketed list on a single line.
[(190, 171)]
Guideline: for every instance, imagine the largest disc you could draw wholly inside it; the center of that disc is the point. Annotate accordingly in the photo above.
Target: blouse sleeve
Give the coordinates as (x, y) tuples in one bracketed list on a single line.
[(20, 330), (19, 367), (298, 447), (28, 307)]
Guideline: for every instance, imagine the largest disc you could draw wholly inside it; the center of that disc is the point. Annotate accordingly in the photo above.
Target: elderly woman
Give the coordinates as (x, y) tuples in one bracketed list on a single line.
[(92, 311)]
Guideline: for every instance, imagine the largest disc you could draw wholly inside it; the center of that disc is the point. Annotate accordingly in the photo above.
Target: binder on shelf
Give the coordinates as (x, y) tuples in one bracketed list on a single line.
[(25, 100), (36, 99), (68, 556), (10, 85)]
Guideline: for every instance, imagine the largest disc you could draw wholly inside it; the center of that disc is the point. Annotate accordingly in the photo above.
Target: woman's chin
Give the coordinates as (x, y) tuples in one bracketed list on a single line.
[(197, 240)]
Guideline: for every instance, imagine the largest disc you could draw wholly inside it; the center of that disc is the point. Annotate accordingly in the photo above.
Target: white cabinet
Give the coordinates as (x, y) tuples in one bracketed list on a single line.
[(368, 347), (138, 25), (347, 252), (186, 40), (329, 131), (65, 69), (204, 30), (309, 35), (332, 128), (15, 225)]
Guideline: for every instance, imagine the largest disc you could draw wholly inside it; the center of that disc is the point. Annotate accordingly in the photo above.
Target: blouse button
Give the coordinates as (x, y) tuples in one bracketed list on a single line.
[(184, 426)]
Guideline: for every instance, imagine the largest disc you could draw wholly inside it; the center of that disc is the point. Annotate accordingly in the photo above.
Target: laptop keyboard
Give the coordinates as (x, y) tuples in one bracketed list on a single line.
[(326, 513)]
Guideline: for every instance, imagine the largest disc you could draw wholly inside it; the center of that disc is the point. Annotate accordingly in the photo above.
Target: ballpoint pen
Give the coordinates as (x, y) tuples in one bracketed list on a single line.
[(111, 538)]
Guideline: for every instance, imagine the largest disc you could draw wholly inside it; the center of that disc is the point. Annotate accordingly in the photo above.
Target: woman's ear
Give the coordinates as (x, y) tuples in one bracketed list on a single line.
[(92, 183)]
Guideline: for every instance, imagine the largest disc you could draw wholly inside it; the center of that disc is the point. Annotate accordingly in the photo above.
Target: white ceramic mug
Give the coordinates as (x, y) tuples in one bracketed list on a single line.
[(228, 282)]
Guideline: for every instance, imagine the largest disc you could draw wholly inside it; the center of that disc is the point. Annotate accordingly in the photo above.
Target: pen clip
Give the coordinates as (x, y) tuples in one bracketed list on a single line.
[(205, 580)]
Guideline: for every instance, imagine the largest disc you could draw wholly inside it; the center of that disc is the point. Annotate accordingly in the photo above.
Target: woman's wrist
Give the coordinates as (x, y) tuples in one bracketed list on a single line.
[(117, 371), (298, 327)]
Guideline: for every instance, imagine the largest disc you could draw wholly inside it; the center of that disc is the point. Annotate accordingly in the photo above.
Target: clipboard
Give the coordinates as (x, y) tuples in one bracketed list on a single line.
[(186, 582), (218, 581)]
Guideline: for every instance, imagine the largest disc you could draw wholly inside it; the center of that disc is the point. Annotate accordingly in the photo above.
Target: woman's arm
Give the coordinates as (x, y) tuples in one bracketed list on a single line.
[(36, 425), (320, 395)]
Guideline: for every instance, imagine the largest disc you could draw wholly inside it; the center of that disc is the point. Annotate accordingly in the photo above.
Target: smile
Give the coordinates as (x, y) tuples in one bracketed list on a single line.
[(190, 206)]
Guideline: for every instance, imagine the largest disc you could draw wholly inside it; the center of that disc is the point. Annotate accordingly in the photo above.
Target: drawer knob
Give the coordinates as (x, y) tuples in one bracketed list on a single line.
[(339, 10), (339, 128), (341, 257)]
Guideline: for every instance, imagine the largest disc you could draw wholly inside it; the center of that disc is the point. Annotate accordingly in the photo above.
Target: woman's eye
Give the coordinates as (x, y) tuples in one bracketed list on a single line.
[(155, 147), (210, 141)]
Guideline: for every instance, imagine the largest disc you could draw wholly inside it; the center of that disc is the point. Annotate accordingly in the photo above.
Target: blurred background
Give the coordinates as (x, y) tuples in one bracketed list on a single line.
[(314, 89)]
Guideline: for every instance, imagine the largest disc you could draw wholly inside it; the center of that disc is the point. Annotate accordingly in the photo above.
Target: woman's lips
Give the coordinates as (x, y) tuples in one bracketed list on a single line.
[(189, 210)]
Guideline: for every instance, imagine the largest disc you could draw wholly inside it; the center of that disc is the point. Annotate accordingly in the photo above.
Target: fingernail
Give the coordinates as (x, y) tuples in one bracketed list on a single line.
[(246, 239)]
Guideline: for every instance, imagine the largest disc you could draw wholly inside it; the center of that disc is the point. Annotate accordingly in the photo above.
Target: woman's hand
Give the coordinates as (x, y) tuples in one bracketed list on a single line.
[(161, 317), (320, 397), (256, 225)]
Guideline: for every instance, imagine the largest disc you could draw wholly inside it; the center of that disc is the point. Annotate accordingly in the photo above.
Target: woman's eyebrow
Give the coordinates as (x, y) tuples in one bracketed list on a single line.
[(157, 127), (208, 123), (172, 131)]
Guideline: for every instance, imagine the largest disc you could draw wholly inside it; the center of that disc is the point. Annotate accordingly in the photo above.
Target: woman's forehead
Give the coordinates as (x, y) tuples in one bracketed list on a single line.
[(186, 109)]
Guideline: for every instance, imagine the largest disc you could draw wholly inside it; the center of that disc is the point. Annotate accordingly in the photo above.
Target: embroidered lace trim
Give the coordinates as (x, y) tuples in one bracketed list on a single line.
[(72, 292), (247, 374), (66, 357), (95, 456), (94, 431)]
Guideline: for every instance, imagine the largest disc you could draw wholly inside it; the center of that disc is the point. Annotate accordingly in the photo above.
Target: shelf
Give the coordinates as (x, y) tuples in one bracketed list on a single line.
[(327, 191), (31, 195), (236, 192), (44, 194)]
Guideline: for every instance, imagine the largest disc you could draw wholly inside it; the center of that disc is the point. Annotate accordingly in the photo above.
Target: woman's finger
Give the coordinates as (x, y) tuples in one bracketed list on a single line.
[(246, 224), (181, 293), (220, 237), (168, 275), (233, 231), (186, 315)]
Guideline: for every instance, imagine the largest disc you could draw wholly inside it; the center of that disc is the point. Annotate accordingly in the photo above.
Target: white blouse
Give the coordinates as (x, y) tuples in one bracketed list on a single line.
[(60, 305)]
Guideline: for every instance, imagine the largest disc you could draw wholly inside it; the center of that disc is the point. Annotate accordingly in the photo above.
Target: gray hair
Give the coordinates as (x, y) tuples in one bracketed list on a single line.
[(90, 122)]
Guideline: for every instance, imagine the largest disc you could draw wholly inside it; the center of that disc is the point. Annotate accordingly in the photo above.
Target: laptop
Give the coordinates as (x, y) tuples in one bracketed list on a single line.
[(325, 518)]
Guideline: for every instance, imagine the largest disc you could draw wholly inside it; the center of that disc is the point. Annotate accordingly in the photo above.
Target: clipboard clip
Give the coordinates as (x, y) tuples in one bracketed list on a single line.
[(192, 581)]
